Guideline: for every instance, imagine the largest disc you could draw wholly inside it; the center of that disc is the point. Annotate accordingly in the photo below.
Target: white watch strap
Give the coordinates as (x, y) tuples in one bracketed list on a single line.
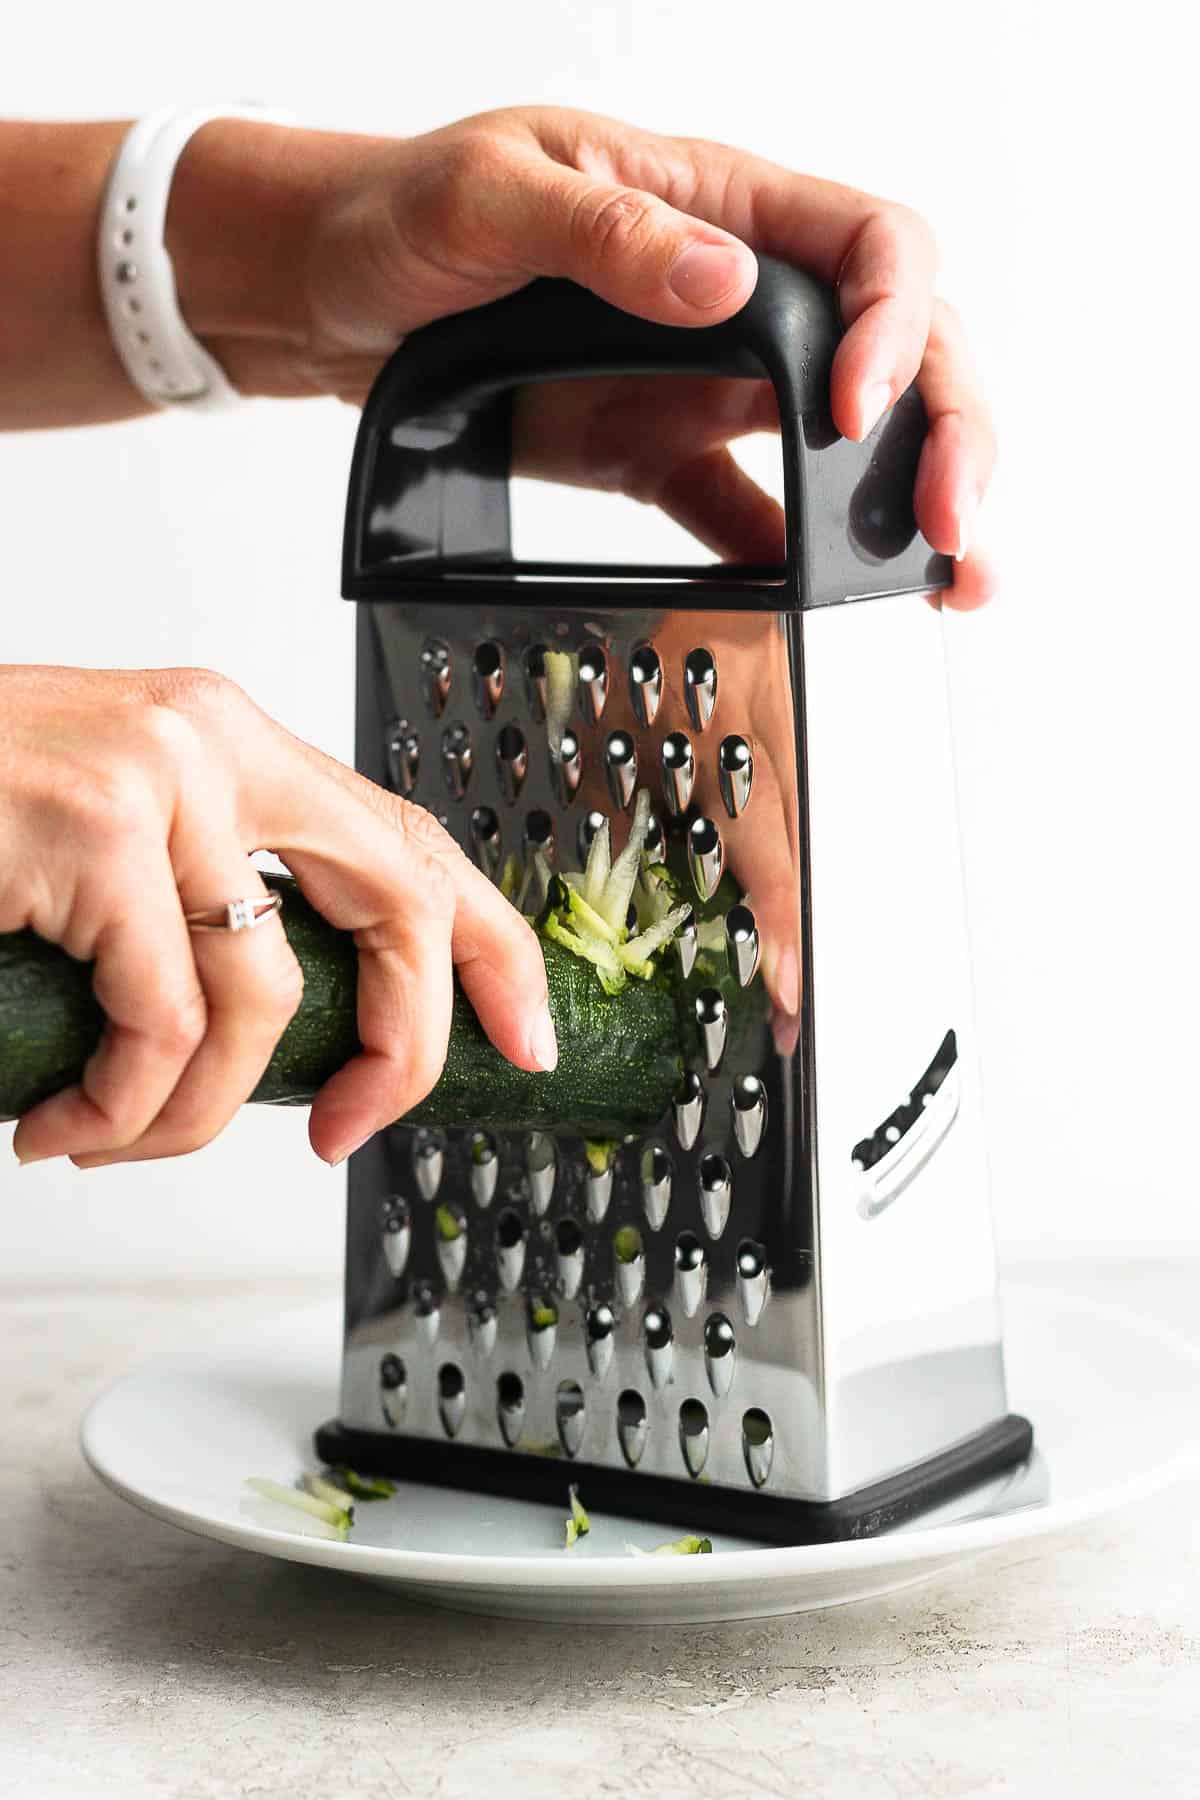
[(137, 281)]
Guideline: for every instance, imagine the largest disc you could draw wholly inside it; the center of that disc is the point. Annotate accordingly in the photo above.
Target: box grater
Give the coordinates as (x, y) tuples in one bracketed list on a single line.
[(776, 1313)]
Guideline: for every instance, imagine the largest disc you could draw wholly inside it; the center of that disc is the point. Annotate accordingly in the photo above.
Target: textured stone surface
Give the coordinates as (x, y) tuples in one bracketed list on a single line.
[(136, 1660)]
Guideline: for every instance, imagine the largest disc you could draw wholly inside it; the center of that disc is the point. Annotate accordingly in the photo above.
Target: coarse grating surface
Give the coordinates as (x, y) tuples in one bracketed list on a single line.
[(631, 1308)]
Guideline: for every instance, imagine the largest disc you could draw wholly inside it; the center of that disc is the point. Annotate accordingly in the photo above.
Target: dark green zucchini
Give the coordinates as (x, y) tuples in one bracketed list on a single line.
[(620, 1056)]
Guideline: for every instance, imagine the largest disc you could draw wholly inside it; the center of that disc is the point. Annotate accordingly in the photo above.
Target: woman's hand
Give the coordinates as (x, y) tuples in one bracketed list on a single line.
[(128, 799), (334, 247)]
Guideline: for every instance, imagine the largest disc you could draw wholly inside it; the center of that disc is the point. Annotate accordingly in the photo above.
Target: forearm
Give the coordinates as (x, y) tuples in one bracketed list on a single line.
[(238, 228)]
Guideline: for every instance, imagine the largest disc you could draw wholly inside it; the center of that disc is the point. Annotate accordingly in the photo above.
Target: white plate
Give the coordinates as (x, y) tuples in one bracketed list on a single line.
[(1112, 1397)]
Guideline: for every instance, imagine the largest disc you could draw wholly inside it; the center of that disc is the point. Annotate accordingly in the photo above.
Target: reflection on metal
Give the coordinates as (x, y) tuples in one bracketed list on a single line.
[(719, 1348), (593, 682), (620, 767), (686, 942), (752, 1279), (437, 668), (735, 772), (700, 686), (660, 1345), (402, 749), (741, 942), (691, 1270), (712, 1023), (569, 1416), (599, 1326), (693, 1435), (656, 1184), (393, 1390), (678, 772), (568, 1245), (481, 1324), (631, 1426), (748, 1104), (428, 1160), (687, 1109), (484, 1165), (488, 674), (645, 684), (567, 768), (426, 1312), (510, 1249), (541, 1329), (487, 845), (706, 857), (758, 1445), (458, 759), (539, 833), (512, 761), (535, 682), (397, 1235), (540, 1165), (510, 1406), (716, 1189), (452, 1398)]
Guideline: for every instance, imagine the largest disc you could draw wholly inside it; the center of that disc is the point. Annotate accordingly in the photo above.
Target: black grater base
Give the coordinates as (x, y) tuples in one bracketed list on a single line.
[(767, 1518)]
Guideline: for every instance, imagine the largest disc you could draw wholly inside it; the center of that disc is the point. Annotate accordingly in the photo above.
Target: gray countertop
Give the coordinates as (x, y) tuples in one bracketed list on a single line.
[(138, 1660)]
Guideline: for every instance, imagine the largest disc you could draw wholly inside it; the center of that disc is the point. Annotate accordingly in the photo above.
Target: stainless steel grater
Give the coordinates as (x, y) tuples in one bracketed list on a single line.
[(776, 1313)]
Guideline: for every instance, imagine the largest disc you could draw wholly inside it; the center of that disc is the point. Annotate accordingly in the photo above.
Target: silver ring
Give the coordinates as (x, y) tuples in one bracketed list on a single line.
[(235, 915)]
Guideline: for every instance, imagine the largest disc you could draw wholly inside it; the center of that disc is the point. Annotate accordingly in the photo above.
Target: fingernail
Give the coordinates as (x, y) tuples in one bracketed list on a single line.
[(335, 1162), (967, 508), (543, 1041), (704, 274), (789, 983), (873, 403), (38, 1156)]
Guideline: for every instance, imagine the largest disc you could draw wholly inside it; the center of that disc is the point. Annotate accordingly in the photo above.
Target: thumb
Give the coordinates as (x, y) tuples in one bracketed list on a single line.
[(632, 249)]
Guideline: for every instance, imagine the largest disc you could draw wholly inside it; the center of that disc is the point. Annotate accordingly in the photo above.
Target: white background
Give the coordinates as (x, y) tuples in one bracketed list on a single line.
[(1053, 148)]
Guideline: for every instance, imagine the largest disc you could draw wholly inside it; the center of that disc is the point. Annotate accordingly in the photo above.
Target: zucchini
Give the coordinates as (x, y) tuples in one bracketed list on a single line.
[(620, 1007), (620, 1055)]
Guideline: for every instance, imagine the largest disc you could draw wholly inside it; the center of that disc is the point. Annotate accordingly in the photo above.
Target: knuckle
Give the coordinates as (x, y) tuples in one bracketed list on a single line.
[(204, 693), (282, 992), (179, 1028), (609, 221), (110, 806)]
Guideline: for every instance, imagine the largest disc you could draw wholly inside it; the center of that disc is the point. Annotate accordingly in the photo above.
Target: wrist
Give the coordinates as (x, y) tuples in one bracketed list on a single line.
[(244, 204)]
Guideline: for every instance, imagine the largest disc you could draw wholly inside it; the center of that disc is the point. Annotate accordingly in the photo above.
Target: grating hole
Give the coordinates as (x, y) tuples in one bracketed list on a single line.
[(392, 1373), (627, 1244), (512, 760), (568, 1237), (689, 1252), (700, 686), (539, 832), (719, 1337), (437, 669), (535, 681), (657, 1328), (631, 1409), (645, 683), (510, 1391), (751, 1259), (600, 1323), (509, 1229), (451, 1382), (693, 1418)]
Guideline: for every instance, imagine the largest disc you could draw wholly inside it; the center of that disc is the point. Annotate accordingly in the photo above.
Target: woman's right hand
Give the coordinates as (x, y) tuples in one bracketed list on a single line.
[(128, 799)]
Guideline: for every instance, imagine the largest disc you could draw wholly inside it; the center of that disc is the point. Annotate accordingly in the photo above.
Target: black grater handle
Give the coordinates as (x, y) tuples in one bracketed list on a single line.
[(428, 497)]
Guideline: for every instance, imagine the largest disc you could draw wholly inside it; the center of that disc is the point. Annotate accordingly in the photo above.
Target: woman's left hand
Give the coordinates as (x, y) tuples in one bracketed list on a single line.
[(334, 247)]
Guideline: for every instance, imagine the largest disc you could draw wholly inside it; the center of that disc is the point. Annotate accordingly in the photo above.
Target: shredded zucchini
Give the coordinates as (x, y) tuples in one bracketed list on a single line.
[(337, 1519), (627, 1243), (578, 1524), (599, 862), (542, 1316), (448, 1223), (614, 902), (366, 1487), (684, 1546), (599, 1153), (561, 672)]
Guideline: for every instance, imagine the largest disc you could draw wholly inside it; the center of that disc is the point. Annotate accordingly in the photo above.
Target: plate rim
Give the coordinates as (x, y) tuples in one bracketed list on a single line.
[(937, 1544)]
